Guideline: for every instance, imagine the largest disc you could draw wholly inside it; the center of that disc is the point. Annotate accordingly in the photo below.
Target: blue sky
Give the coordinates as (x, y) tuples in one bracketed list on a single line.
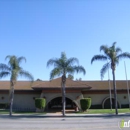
[(42, 29)]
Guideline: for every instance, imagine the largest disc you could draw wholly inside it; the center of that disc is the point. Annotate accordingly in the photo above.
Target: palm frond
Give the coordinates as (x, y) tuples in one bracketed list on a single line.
[(116, 60), (113, 48), (13, 61), (70, 70), (62, 66), (4, 74), (79, 69), (56, 63), (55, 72), (8, 57), (123, 55), (4, 67), (26, 74), (98, 57), (118, 50), (51, 62), (104, 48), (113, 44), (63, 56), (104, 69), (60, 63), (20, 59), (11, 58), (72, 61)]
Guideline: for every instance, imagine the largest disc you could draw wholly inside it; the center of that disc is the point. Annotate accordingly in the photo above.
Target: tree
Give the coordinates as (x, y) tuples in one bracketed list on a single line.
[(14, 70), (79, 79), (70, 77), (112, 55), (63, 66)]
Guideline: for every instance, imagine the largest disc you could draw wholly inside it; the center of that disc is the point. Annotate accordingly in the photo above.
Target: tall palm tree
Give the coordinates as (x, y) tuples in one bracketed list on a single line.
[(13, 70), (112, 55), (63, 66)]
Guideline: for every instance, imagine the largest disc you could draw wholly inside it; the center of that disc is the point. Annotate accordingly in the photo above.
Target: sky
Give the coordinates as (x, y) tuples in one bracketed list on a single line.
[(41, 29)]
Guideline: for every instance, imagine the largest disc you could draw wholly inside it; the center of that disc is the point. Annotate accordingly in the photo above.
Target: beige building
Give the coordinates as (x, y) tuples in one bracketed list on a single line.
[(98, 91)]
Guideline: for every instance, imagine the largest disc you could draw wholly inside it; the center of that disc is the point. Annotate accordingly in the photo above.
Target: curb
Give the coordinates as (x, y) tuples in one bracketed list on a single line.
[(60, 115)]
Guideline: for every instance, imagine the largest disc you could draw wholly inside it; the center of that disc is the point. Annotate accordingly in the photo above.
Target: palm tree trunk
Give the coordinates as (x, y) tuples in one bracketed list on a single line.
[(115, 94), (63, 94), (63, 99), (11, 97)]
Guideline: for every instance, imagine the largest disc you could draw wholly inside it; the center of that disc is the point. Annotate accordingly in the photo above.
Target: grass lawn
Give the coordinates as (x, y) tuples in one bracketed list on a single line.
[(20, 112), (90, 111), (105, 111)]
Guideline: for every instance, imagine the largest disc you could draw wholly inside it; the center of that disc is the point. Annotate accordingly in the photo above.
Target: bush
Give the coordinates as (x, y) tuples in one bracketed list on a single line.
[(85, 103), (40, 103)]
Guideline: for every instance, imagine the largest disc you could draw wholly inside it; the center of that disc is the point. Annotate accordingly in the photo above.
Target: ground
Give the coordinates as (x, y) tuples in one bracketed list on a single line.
[(60, 123)]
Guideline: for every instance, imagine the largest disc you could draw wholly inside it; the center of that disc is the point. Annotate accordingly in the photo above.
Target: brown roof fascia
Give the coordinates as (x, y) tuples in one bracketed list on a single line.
[(21, 91), (121, 91)]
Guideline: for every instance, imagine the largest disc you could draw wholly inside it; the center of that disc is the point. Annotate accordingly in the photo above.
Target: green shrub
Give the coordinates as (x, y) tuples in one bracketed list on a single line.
[(40, 103), (85, 103)]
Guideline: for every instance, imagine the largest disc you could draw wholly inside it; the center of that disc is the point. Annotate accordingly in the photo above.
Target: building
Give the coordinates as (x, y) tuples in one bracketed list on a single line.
[(25, 94)]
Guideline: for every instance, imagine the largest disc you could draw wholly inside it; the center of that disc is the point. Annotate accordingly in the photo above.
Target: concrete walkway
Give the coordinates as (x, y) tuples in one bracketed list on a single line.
[(60, 115)]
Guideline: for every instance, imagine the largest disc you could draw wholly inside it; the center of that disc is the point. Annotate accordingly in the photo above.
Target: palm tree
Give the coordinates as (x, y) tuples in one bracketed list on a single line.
[(63, 66), (112, 55), (13, 70)]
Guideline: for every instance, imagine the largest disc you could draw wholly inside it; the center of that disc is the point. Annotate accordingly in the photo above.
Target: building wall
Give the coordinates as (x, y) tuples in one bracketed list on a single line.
[(21, 101), (4, 98), (122, 98), (25, 101), (28, 101), (96, 98)]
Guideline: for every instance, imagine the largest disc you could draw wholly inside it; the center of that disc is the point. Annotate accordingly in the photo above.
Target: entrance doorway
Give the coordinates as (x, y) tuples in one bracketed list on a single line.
[(55, 105)]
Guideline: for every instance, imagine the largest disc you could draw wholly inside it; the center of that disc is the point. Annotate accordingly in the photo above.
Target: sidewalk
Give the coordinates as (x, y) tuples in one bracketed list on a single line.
[(51, 115)]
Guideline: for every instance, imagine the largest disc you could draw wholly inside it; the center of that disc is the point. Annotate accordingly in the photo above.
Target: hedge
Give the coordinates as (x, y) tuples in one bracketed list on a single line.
[(85, 103), (40, 103)]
